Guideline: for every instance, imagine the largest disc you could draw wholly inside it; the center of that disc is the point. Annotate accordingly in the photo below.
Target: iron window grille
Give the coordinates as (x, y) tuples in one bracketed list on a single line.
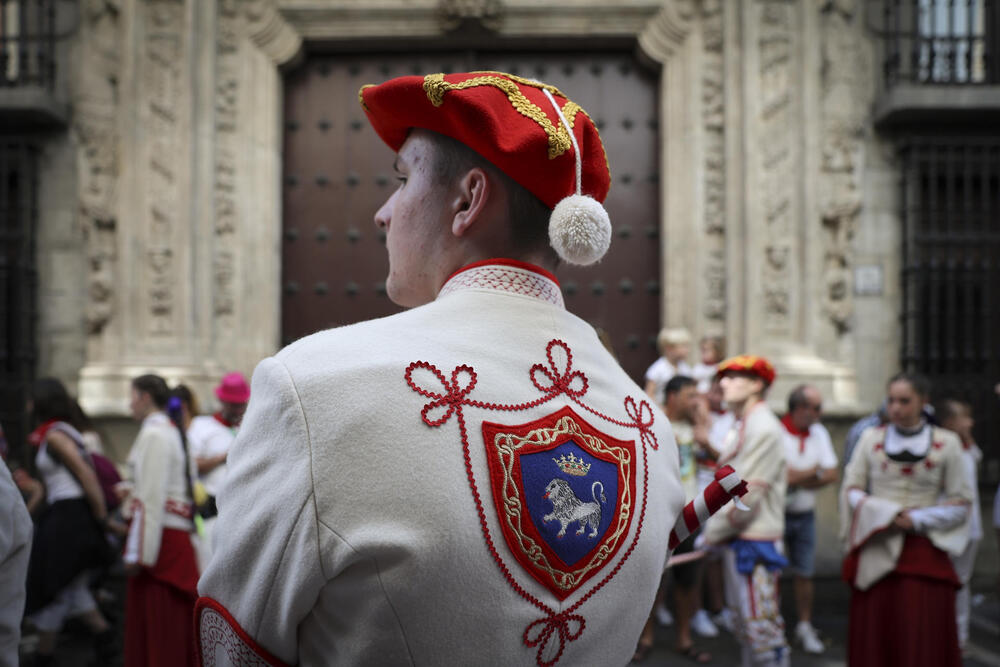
[(951, 274)]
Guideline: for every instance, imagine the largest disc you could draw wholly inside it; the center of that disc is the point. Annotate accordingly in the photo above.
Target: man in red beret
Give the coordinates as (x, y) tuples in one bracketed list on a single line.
[(750, 540), (474, 480)]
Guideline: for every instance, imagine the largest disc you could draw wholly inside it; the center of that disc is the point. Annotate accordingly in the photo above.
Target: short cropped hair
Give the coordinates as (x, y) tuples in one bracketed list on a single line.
[(678, 383), (921, 385), (797, 398), (529, 216)]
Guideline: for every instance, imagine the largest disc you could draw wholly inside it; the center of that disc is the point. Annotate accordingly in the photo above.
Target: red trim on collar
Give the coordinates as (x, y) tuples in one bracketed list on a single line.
[(222, 420), (503, 261)]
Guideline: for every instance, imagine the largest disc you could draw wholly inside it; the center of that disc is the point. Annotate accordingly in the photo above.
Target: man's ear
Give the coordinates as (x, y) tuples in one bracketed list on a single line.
[(472, 193)]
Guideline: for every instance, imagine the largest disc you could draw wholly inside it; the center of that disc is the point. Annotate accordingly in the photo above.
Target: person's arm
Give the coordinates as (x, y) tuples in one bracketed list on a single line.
[(62, 448), (821, 478), (802, 476), (207, 464), (268, 531), (827, 471), (32, 488)]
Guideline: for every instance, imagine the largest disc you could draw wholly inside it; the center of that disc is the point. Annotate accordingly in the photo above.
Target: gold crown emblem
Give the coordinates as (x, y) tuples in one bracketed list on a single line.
[(572, 465)]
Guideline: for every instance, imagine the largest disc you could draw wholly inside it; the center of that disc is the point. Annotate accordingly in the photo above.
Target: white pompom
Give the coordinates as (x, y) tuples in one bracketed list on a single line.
[(580, 230)]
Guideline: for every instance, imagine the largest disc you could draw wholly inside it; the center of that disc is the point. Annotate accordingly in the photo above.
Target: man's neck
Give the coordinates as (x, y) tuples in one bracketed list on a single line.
[(740, 410)]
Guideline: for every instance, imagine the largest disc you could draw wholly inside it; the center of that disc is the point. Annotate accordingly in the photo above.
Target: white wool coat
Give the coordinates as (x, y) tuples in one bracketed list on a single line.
[(349, 531)]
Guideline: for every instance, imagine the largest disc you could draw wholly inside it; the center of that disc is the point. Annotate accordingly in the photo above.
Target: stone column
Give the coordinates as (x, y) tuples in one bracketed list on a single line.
[(787, 313), (182, 211)]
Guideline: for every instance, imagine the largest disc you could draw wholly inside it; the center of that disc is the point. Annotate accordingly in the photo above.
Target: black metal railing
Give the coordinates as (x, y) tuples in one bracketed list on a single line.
[(27, 43), (18, 283), (951, 277), (941, 41)]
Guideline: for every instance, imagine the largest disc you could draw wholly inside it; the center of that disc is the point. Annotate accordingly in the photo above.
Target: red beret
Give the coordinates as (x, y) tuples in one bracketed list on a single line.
[(753, 365), (505, 118)]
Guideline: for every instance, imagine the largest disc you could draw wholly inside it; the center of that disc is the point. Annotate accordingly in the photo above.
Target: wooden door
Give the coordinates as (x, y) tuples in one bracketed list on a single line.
[(337, 173)]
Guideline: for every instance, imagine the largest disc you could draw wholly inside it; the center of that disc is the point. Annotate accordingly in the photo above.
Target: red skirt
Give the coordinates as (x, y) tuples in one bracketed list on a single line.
[(159, 607), (907, 618)]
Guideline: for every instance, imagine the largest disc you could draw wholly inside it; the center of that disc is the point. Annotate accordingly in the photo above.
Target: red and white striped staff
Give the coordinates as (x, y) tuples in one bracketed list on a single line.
[(727, 484)]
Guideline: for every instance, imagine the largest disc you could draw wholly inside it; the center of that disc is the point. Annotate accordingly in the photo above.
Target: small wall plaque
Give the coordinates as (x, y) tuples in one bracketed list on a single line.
[(868, 280)]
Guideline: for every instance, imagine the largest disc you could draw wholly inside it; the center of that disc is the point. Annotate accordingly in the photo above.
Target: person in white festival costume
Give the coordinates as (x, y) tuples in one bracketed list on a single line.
[(750, 541), (474, 480), (904, 511)]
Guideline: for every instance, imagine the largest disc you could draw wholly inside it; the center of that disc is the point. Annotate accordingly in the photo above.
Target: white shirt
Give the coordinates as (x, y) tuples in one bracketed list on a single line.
[(60, 484), (815, 450), (661, 371), (208, 437)]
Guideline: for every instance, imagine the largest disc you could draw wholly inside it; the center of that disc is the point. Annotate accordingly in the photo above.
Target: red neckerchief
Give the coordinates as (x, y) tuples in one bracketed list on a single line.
[(222, 420), (790, 427), (37, 437)]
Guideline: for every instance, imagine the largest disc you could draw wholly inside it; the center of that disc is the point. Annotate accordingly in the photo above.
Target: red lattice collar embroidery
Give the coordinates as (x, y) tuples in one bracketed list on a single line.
[(506, 275), (451, 396)]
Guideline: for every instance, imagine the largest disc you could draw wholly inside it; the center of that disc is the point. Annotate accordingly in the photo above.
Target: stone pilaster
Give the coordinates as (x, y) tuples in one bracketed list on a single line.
[(180, 190)]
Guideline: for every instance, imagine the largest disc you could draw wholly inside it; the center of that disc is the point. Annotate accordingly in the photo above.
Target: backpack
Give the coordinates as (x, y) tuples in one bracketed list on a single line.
[(104, 469)]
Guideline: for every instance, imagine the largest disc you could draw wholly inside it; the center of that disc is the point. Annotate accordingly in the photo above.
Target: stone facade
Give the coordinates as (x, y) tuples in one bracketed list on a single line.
[(159, 243), (766, 153)]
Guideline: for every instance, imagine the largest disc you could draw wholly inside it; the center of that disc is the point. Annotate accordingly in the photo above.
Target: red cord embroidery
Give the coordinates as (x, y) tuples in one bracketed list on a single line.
[(451, 399)]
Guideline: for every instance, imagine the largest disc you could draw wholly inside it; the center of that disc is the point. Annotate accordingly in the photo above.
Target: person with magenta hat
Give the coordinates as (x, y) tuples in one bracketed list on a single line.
[(750, 541), (210, 437), (474, 480)]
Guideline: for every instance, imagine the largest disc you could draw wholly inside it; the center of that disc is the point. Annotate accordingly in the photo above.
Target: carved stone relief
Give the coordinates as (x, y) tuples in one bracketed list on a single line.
[(483, 14), (95, 99), (713, 126), (226, 230), (843, 85), (777, 163), (161, 68)]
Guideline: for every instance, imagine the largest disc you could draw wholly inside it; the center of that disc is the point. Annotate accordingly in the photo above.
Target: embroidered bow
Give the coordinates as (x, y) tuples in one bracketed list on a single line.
[(642, 417), (463, 379), (541, 632), (569, 382)]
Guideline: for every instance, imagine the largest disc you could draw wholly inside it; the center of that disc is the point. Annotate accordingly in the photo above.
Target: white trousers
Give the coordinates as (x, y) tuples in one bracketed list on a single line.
[(760, 628), (964, 565)]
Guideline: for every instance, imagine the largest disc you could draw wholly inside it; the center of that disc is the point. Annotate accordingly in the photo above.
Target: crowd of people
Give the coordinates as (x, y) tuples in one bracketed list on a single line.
[(402, 489), (85, 520), (910, 518)]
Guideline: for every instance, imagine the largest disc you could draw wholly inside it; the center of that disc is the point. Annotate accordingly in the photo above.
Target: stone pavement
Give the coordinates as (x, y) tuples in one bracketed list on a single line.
[(830, 616)]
